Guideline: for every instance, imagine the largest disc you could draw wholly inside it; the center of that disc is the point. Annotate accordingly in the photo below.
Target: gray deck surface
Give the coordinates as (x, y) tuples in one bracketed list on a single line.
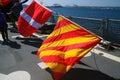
[(19, 62)]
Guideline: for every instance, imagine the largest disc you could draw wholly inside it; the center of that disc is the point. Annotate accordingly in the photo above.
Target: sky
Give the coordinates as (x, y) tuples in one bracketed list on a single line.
[(112, 3)]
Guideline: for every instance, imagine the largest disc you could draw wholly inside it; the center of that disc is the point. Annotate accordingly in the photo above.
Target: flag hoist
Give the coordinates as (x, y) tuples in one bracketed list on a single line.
[(65, 46), (32, 18)]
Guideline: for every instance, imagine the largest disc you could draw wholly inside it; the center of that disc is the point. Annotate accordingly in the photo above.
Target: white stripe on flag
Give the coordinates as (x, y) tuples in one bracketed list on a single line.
[(30, 20)]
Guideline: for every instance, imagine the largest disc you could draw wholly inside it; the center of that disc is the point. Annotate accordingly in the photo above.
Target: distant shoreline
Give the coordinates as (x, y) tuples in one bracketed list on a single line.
[(80, 6), (83, 6)]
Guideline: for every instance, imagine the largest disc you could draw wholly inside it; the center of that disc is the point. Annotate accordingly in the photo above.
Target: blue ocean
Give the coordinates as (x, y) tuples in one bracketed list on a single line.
[(89, 12), (105, 29)]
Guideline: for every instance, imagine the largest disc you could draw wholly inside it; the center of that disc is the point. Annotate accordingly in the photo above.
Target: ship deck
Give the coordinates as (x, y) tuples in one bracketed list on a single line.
[(19, 62)]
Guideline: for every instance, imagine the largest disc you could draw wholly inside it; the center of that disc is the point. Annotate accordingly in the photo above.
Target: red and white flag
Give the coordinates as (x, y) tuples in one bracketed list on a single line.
[(32, 18)]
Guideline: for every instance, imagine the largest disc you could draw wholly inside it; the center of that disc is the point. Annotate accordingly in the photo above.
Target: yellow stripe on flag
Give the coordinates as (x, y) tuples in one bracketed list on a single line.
[(76, 53), (70, 41), (66, 28), (57, 67), (60, 19), (52, 53)]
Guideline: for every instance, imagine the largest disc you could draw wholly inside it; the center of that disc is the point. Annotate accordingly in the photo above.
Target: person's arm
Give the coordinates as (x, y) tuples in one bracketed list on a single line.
[(23, 1)]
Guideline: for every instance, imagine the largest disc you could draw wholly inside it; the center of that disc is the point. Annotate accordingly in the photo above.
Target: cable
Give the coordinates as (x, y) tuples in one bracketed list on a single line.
[(95, 60)]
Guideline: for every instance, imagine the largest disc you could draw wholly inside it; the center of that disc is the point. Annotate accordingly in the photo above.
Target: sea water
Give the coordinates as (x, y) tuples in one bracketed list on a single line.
[(112, 33), (89, 12)]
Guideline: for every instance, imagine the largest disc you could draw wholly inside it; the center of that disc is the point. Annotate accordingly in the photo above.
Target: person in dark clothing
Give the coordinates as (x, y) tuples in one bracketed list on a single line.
[(15, 6), (3, 28), (12, 10), (6, 9)]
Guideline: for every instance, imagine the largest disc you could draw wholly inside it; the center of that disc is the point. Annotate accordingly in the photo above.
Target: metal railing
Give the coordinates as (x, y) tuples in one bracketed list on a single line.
[(108, 29)]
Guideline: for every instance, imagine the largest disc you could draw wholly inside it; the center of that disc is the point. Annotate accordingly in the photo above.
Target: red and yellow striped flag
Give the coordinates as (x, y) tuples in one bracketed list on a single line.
[(65, 46)]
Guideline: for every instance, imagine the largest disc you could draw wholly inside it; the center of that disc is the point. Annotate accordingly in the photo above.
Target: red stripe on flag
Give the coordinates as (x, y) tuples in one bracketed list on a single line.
[(71, 34), (72, 60), (53, 58), (56, 59), (57, 75), (85, 45), (40, 13), (64, 23), (27, 30)]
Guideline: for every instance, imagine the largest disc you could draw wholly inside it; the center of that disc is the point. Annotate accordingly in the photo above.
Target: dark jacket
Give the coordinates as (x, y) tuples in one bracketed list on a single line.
[(3, 23), (15, 6)]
